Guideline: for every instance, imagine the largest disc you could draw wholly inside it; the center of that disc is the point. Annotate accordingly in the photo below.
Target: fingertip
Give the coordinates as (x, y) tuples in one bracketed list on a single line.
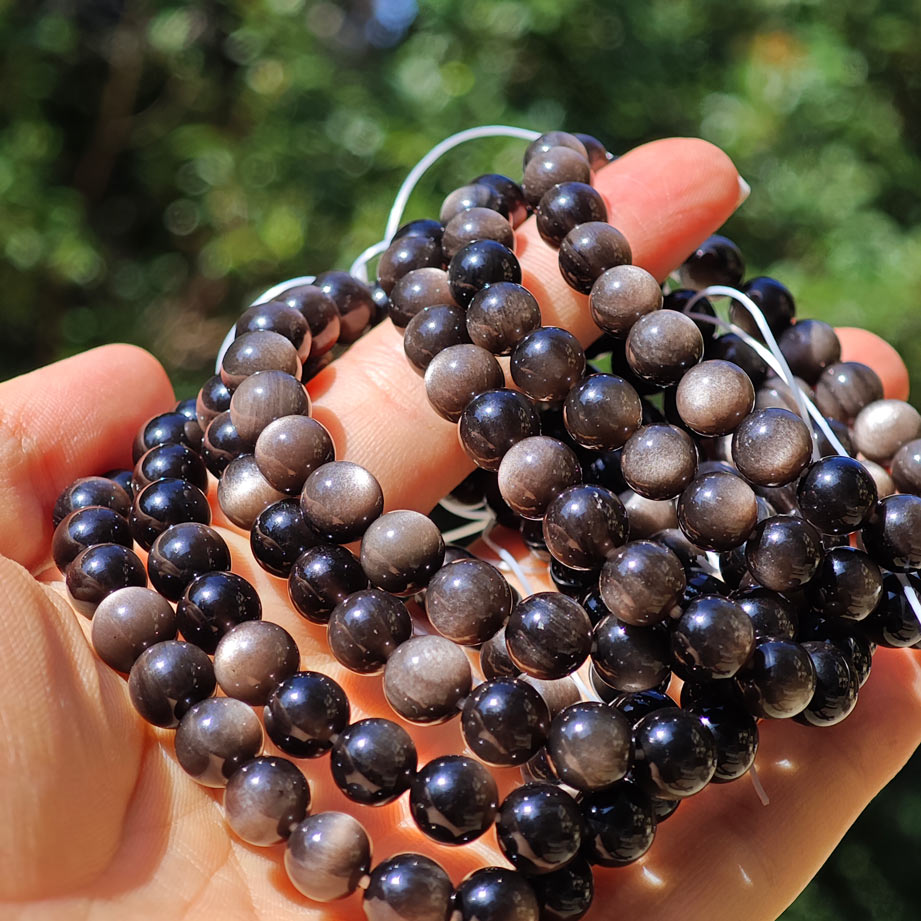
[(872, 350)]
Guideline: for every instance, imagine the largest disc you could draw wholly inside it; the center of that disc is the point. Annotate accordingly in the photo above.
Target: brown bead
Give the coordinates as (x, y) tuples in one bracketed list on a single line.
[(556, 693), (492, 422), (565, 206), (659, 460), (551, 139), (547, 363), (621, 295), (771, 447), (584, 525), (289, 449), (602, 411), (456, 375), (404, 255), (714, 397), (775, 393), (468, 601), (810, 346), (320, 312), (417, 290), (548, 635), (494, 658), (353, 301), (264, 397), (426, 679), (278, 317), (401, 551), (366, 628), (501, 315), (906, 468), (551, 167), (265, 800), (534, 472), (662, 345), (590, 249), (718, 511), (431, 331), (259, 351), (243, 492), (253, 658), (327, 856), (885, 485), (646, 517), (476, 224), (642, 583), (784, 552), (882, 427), (129, 621), (340, 500), (475, 195), (843, 389)]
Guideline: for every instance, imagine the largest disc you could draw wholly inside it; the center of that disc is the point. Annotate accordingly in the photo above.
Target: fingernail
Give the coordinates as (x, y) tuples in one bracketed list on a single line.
[(744, 191)]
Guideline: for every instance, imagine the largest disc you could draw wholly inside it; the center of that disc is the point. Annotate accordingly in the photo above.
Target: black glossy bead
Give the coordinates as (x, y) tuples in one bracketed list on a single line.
[(366, 628), (124, 478), (321, 313), (675, 754), (408, 887), (492, 422), (91, 490), (98, 570), (167, 679), (598, 156), (167, 428), (373, 761), (713, 638), (605, 470), (505, 721), (323, 577), (732, 348), (602, 411), (404, 255), (353, 300), (779, 680), (774, 300), (548, 635), (772, 616), (539, 828), (810, 346), (213, 398), (183, 552), (565, 206), (589, 745), (678, 300), (453, 799), (547, 363), (847, 584), (717, 261), (510, 201), (846, 635), (836, 494), (893, 534), (84, 527), (423, 227), (630, 658), (784, 552), (222, 444), (572, 582), (479, 264), (170, 460), (164, 503), (620, 825), (584, 525), (588, 250), (280, 536), (894, 622), (496, 894), (433, 330), (306, 713), (735, 733), (213, 604), (640, 704), (565, 894), (835, 688)]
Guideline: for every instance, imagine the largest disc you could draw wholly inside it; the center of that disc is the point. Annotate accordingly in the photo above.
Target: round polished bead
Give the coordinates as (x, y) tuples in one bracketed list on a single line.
[(906, 468), (222, 444), (836, 686), (634, 706), (597, 154), (501, 315), (213, 604), (340, 500), (717, 511), (407, 254), (557, 693), (548, 635), (476, 224), (164, 503), (784, 552), (305, 714), (630, 658), (456, 375), (779, 680), (494, 421), (893, 534), (642, 582), (496, 894), (717, 261), (91, 490), (809, 347), (771, 447), (127, 622), (572, 582), (213, 398), (422, 227), (662, 345), (584, 525), (884, 426), (852, 640), (353, 301), (547, 363), (265, 799), (215, 738), (714, 397), (735, 734), (548, 168), (589, 250), (843, 389), (847, 584), (566, 205), (280, 535), (659, 460), (620, 825), (602, 411), (123, 478), (408, 887), (505, 721), (539, 828), (468, 601), (894, 622), (167, 679), (647, 517), (510, 202), (478, 264), (84, 527), (264, 397), (277, 317), (320, 312), (473, 195), (732, 348), (401, 551), (773, 300), (494, 658), (453, 799), (773, 617), (327, 856), (679, 299), (167, 428), (253, 658), (419, 289), (675, 754), (373, 761), (534, 472), (433, 330), (289, 449), (589, 745), (549, 140), (426, 678), (621, 296), (244, 493), (323, 577), (837, 495), (254, 352), (98, 571), (170, 460), (366, 628), (565, 894), (713, 638)]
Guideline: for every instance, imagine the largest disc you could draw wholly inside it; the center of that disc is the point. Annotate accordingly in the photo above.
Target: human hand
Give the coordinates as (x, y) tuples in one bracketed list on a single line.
[(97, 819)]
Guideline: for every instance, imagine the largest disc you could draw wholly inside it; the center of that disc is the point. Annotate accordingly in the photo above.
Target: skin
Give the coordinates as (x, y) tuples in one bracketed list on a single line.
[(98, 821)]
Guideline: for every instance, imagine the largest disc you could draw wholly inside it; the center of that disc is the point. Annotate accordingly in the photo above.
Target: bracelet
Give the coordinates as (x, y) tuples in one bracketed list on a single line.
[(695, 522)]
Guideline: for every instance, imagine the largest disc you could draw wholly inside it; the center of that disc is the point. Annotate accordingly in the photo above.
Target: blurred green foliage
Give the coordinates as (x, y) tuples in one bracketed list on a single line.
[(160, 163)]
